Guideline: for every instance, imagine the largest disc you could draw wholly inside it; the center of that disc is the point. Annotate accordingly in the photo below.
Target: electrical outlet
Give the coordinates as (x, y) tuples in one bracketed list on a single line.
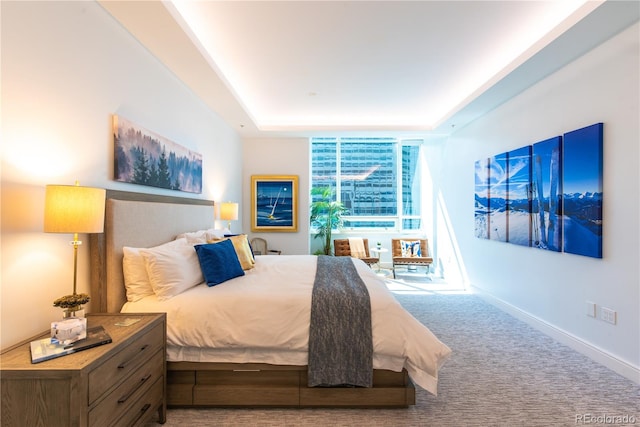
[(608, 315), (591, 309)]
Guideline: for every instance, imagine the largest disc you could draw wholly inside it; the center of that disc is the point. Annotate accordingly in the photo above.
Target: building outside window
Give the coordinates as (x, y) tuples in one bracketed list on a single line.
[(377, 179)]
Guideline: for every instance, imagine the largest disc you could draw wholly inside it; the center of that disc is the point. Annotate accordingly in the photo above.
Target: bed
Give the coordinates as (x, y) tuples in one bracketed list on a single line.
[(208, 366)]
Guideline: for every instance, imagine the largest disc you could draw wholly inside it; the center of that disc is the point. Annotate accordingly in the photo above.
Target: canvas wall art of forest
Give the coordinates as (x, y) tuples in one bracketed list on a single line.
[(146, 158)]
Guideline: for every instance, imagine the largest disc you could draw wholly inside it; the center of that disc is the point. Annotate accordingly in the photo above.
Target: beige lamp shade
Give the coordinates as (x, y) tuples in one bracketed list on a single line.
[(229, 211), (74, 209)]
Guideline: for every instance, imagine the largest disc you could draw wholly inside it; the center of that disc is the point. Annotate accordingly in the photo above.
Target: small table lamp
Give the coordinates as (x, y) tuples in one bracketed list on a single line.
[(229, 212), (73, 209)]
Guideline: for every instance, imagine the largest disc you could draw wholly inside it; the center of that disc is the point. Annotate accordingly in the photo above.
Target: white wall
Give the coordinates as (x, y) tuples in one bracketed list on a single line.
[(551, 288), (279, 156), (67, 67)]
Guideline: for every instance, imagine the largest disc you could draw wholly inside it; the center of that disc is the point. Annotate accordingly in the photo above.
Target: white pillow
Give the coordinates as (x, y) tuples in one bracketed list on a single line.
[(195, 237), (136, 279), (217, 233), (172, 268), (202, 236)]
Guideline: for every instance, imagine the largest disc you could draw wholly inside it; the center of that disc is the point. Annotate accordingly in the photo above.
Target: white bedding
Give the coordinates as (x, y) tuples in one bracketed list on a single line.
[(263, 317)]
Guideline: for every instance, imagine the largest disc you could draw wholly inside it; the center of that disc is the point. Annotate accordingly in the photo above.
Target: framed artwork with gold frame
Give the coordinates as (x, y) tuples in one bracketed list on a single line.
[(274, 203)]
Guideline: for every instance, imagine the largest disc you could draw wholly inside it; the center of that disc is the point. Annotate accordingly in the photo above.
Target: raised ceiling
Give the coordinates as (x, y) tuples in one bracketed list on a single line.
[(308, 67)]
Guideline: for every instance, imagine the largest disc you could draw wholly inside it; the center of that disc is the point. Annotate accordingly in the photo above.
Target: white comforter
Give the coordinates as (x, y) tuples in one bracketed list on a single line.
[(263, 317)]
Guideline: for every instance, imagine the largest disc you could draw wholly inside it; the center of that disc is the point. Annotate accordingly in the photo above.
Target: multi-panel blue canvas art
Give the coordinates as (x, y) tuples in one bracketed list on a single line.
[(583, 191), (547, 195), (519, 191)]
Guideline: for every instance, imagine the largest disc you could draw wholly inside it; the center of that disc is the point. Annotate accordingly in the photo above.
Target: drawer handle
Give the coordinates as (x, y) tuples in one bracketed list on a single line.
[(144, 409), (125, 363), (128, 395)]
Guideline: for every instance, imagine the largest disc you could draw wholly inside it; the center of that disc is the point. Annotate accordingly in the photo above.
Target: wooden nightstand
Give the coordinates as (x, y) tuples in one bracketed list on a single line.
[(121, 383)]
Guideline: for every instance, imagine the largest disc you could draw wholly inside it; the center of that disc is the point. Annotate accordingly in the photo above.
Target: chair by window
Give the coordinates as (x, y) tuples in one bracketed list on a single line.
[(410, 251), (341, 247), (259, 247)]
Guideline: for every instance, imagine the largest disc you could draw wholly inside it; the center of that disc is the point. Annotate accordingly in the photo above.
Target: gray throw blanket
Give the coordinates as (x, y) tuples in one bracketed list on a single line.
[(340, 341)]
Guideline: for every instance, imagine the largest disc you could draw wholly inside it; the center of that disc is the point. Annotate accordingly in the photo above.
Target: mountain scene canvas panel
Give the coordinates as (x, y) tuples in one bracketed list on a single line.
[(498, 197), (519, 196), (583, 191), (481, 215), (547, 195)]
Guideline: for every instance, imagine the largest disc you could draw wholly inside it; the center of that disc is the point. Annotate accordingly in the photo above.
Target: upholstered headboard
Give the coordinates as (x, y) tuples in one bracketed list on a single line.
[(137, 220)]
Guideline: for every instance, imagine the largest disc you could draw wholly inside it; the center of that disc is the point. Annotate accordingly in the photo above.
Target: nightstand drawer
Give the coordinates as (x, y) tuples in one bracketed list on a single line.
[(125, 362), (131, 397), (84, 388), (142, 412)]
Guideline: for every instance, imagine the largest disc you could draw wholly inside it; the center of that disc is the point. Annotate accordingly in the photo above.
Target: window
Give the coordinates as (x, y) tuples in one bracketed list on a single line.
[(377, 179)]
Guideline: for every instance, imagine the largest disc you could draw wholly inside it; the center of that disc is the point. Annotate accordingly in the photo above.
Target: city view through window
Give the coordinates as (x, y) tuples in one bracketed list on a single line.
[(377, 180)]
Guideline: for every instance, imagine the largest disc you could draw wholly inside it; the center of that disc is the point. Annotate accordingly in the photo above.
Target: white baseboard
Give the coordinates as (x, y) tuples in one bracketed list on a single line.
[(597, 354)]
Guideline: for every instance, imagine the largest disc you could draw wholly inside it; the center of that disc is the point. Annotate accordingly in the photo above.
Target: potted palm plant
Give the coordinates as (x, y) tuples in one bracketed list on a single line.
[(326, 215)]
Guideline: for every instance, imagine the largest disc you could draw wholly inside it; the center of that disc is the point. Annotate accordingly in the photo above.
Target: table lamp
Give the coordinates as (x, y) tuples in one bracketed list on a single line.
[(73, 209), (229, 212)]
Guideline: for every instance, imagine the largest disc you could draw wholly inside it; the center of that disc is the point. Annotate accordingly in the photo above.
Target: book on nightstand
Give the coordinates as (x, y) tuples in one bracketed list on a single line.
[(48, 348)]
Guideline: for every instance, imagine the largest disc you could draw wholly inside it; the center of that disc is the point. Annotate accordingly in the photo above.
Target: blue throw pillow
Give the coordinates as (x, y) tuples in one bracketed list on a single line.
[(219, 262)]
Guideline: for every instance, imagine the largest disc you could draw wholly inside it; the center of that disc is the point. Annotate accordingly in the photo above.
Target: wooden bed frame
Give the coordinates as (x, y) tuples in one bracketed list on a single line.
[(145, 220)]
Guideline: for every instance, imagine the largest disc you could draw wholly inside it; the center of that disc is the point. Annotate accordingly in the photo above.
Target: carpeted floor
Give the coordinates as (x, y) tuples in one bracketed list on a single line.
[(502, 373)]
